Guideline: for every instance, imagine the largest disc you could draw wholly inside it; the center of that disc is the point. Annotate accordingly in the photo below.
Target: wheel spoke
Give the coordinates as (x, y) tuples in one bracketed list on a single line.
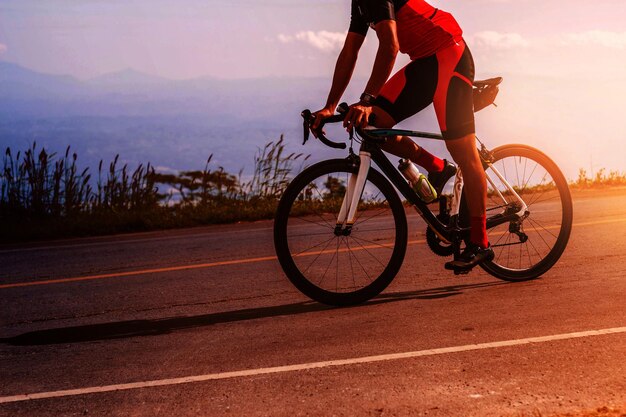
[(368, 252), (544, 228), (543, 189), (315, 246), (309, 216), (317, 257), (372, 242), (326, 225), (360, 264), (500, 238), (309, 234), (383, 211), (529, 178), (328, 267), (539, 234), (350, 261)]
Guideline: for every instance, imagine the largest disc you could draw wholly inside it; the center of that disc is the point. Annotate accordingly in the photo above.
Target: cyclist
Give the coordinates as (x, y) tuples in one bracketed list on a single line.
[(441, 71)]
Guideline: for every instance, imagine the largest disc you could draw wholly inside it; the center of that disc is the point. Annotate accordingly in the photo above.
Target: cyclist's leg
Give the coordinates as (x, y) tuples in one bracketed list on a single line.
[(453, 103), (409, 91), (402, 146), (465, 154)]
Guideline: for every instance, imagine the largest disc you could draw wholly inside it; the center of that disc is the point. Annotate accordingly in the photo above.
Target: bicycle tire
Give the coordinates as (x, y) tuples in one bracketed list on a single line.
[(557, 210), (287, 220)]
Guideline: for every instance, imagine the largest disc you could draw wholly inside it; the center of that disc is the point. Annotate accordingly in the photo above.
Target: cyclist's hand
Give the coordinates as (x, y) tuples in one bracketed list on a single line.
[(357, 116), (320, 115)]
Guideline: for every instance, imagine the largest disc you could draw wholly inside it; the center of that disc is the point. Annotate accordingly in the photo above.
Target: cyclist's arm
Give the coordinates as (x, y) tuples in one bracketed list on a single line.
[(385, 57), (344, 69), (359, 113)]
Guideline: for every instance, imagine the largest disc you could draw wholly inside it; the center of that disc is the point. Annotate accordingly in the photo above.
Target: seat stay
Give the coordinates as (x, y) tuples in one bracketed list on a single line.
[(522, 212), (496, 188)]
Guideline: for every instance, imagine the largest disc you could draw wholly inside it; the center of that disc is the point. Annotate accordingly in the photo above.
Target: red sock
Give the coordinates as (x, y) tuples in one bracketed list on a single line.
[(478, 232), (427, 160)]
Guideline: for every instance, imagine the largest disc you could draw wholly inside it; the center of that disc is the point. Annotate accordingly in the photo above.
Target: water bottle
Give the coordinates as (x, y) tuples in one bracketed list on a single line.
[(418, 181)]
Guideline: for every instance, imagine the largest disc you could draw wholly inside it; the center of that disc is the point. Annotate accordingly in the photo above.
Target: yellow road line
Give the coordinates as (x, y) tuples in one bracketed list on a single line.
[(230, 262), (186, 267), (140, 272)]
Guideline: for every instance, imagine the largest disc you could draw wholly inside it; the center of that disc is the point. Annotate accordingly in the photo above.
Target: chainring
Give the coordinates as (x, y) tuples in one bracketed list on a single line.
[(434, 243)]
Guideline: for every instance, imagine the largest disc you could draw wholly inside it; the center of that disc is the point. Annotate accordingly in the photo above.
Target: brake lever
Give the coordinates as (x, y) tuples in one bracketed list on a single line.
[(306, 114)]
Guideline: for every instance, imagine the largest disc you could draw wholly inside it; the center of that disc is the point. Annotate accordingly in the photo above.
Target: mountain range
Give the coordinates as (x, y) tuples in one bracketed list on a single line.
[(176, 124)]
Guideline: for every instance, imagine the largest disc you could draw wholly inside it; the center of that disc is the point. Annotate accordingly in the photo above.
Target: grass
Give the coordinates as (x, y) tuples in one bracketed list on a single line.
[(602, 179), (44, 195)]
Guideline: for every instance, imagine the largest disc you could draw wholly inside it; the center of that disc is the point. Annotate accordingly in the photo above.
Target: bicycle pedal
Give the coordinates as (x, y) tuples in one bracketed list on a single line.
[(457, 270)]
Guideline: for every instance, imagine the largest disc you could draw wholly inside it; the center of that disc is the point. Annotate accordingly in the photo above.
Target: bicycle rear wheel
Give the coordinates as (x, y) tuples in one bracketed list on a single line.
[(339, 269), (528, 248)]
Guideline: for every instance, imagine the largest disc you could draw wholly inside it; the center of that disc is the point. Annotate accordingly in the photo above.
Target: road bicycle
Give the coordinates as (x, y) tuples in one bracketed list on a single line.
[(341, 234)]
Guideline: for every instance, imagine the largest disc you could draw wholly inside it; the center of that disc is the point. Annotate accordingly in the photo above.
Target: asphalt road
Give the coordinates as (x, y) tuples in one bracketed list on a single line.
[(203, 322)]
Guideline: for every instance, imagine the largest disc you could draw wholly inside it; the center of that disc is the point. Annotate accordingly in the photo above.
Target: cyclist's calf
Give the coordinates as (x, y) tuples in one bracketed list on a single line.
[(465, 154)]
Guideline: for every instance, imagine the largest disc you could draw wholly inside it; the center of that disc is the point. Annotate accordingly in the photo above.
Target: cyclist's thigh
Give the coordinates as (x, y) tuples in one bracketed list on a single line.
[(453, 99), (410, 90), (381, 118)]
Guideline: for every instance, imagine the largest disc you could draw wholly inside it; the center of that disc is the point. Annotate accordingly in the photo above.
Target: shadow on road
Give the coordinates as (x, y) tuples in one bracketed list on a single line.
[(134, 328)]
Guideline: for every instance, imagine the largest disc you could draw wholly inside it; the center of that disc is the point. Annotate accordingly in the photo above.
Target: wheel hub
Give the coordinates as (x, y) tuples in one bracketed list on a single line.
[(343, 231)]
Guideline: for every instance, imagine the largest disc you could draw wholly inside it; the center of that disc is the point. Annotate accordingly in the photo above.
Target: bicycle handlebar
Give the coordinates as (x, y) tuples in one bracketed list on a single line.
[(308, 117)]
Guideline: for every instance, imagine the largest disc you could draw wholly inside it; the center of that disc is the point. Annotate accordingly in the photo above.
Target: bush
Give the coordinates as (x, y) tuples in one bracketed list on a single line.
[(42, 196), (601, 179)]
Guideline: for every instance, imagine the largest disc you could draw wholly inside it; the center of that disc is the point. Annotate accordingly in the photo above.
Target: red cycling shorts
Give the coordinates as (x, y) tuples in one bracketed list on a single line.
[(444, 79)]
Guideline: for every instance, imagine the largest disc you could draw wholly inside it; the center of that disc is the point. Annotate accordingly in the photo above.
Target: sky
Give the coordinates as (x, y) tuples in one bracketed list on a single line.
[(563, 60), (259, 38)]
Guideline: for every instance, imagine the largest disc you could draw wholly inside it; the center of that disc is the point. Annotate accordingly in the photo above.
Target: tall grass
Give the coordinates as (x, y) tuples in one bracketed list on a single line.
[(37, 184), (45, 196), (601, 179)]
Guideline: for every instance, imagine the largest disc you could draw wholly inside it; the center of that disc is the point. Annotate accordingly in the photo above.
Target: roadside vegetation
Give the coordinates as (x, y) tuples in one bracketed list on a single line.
[(45, 195), (601, 179)]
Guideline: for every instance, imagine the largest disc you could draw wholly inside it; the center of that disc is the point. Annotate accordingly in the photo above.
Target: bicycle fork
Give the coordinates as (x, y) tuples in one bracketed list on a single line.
[(354, 191)]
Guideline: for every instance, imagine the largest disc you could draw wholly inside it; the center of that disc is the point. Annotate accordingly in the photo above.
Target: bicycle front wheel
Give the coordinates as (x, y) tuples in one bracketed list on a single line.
[(339, 268), (527, 248)]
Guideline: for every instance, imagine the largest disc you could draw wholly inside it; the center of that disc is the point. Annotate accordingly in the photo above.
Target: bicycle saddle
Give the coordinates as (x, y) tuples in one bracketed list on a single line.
[(491, 82)]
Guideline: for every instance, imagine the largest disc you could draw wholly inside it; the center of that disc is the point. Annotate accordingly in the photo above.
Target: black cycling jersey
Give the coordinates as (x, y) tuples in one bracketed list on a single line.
[(370, 12)]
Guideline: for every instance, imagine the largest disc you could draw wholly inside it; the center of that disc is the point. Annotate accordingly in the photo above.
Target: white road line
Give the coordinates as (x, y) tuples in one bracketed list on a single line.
[(306, 366)]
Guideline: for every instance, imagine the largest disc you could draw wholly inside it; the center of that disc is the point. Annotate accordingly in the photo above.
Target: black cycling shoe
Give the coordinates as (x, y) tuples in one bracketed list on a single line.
[(469, 258), (439, 179)]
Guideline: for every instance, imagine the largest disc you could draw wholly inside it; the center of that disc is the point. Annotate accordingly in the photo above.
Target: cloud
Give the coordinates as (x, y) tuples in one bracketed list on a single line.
[(496, 40), (612, 40), (3, 48), (321, 40)]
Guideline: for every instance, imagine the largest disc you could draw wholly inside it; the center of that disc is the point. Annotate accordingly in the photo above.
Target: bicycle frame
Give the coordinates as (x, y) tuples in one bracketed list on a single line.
[(448, 233)]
